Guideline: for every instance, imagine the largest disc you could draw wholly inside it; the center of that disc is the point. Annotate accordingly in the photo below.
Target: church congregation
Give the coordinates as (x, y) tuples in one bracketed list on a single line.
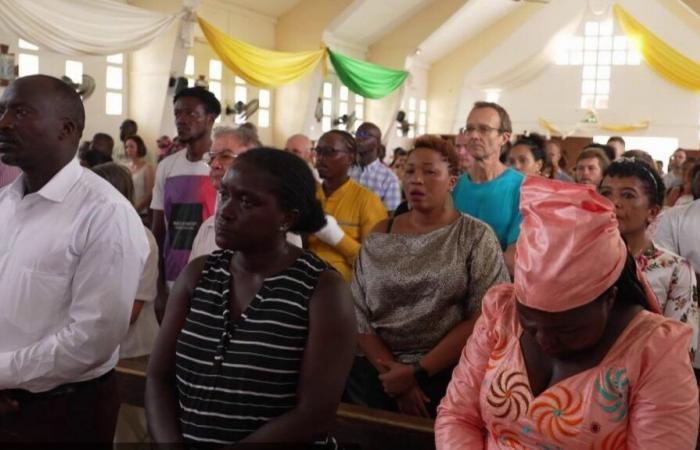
[(274, 236)]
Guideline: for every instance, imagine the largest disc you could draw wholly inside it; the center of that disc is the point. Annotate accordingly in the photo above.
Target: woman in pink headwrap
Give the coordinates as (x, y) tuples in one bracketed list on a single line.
[(574, 354)]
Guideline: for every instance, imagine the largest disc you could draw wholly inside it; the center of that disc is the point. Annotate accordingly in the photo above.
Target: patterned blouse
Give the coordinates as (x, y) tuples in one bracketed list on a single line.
[(673, 282)]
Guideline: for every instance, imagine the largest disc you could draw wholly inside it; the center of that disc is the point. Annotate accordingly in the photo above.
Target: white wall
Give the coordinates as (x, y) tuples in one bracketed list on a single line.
[(636, 94), (51, 63)]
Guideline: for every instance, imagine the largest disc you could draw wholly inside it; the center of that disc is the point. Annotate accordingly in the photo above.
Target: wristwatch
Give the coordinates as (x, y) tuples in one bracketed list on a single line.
[(419, 373)]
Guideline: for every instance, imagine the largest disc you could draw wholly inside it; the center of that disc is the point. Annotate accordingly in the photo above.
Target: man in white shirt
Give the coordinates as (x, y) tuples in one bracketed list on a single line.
[(183, 196), (679, 227), (71, 253)]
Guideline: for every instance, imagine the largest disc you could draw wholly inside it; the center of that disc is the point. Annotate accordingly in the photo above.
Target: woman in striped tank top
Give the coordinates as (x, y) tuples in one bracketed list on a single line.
[(258, 337)]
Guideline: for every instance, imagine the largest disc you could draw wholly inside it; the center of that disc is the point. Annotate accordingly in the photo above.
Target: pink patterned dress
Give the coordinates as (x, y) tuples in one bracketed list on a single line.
[(642, 395)]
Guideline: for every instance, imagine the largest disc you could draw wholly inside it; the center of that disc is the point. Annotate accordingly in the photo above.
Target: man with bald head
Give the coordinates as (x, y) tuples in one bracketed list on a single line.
[(300, 145), (369, 170), (72, 251)]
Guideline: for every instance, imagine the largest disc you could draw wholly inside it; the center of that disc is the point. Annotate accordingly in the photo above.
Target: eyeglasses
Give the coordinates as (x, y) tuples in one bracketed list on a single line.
[(328, 151), (481, 129), (363, 135), (222, 157)]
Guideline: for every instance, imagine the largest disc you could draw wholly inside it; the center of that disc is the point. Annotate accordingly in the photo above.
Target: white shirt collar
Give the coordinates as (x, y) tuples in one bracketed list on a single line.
[(58, 186)]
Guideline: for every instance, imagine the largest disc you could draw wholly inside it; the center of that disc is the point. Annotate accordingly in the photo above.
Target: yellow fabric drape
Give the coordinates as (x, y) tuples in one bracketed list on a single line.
[(624, 127), (663, 59), (257, 66), (547, 125)]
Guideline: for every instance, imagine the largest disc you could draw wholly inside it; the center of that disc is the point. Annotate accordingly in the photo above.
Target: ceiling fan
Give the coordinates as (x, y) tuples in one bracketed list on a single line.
[(402, 123), (348, 120), (243, 111), (84, 88)]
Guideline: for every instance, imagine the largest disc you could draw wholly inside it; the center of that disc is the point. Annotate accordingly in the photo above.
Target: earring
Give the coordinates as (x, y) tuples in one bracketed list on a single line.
[(283, 228)]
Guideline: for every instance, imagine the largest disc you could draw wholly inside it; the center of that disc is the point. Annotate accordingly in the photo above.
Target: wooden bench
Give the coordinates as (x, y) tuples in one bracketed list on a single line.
[(369, 428)]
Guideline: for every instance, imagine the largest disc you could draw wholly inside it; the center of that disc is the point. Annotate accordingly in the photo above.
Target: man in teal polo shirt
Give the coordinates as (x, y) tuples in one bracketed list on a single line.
[(491, 192)]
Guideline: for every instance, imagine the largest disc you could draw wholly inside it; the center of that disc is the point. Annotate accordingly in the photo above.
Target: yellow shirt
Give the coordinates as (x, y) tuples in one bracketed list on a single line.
[(357, 211)]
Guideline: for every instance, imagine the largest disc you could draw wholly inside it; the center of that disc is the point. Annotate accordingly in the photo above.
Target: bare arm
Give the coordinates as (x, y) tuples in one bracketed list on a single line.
[(509, 257), (161, 393), (446, 353), (158, 230), (325, 367), (149, 180), (136, 310)]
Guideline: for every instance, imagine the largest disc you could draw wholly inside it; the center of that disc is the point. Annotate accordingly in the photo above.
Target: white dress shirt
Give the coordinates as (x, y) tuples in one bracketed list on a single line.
[(71, 256), (678, 230)]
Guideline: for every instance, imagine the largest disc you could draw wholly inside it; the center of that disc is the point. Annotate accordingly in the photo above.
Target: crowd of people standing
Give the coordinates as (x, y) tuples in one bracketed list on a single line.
[(480, 282)]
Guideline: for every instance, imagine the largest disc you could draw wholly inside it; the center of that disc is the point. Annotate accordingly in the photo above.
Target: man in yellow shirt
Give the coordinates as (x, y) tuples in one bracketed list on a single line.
[(351, 210)]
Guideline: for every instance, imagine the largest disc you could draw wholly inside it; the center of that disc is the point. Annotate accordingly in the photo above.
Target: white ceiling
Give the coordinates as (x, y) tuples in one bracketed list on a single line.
[(272, 8), (474, 17), (366, 21)]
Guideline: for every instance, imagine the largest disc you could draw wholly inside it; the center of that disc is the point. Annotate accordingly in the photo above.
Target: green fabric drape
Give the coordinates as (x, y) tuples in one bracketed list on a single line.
[(366, 79)]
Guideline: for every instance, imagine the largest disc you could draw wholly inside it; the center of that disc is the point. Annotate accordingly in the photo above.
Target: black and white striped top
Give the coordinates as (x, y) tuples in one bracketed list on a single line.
[(234, 376)]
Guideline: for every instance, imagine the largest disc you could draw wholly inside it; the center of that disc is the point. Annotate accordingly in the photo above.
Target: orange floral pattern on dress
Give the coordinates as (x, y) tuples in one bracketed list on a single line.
[(499, 349), (615, 440), (505, 437), (509, 395), (557, 413)]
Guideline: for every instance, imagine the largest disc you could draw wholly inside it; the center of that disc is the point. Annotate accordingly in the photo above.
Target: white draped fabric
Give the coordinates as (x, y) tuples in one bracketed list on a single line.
[(84, 27)]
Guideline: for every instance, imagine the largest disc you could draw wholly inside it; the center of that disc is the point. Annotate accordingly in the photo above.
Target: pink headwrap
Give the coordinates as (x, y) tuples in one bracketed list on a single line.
[(569, 251)]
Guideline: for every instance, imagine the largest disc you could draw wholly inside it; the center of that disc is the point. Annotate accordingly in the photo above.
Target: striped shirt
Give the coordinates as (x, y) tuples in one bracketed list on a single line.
[(234, 376)]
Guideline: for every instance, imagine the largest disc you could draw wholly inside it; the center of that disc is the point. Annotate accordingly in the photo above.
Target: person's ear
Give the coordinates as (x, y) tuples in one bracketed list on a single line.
[(653, 212), (68, 127), (452, 182), (538, 165)]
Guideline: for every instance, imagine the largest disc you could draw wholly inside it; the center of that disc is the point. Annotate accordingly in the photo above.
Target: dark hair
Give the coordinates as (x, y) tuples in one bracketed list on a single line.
[(347, 138), (140, 146), (594, 152), (295, 185), (609, 151), (211, 104), (506, 125), (106, 138), (118, 176), (92, 158), (398, 152), (641, 170), (629, 287), (617, 139), (535, 143), (442, 147), (130, 123)]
